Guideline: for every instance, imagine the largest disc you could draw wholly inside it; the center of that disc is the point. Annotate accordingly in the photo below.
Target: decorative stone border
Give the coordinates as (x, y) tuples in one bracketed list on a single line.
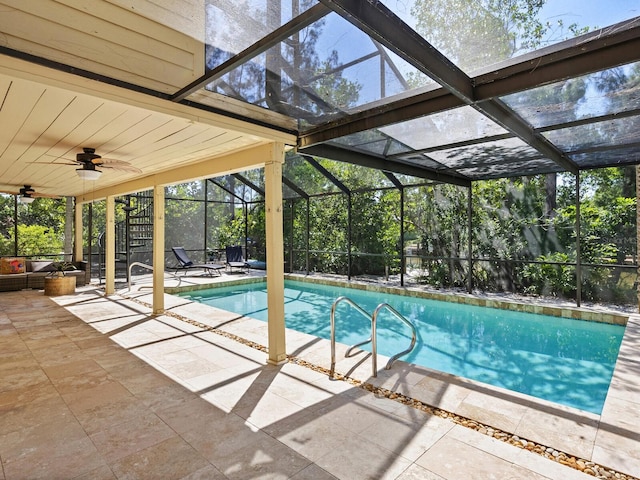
[(580, 464)]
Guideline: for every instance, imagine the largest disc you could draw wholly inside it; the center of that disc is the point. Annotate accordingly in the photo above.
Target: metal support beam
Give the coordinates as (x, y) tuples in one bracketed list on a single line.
[(249, 184), (206, 217), (470, 238), (265, 43), (403, 260), (349, 233), (595, 51), (578, 243), (508, 119), (638, 235), (314, 163), (398, 184), (308, 240), (601, 49), (386, 28), (294, 187), (364, 160)]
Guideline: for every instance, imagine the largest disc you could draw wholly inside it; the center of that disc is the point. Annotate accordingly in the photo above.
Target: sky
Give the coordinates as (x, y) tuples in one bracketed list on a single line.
[(593, 13)]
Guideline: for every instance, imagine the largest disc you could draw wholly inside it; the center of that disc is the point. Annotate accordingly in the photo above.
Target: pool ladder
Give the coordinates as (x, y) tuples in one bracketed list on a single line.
[(373, 339)]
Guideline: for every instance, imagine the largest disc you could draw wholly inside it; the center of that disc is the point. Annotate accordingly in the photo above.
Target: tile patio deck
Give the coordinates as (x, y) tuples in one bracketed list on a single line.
[(99, 388)]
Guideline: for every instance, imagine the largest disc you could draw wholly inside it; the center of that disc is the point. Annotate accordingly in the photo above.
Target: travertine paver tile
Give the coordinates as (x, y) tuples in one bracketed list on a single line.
[(52, 430), (623, 413), (265, 408), (489, 410), (91, 398), (172, 458), (18, 416), (310, 434), (166, 395), (224, 388), (297, 390), (518, 456), (624, 459), (239, 451), (62, 458), (362, 458), (192, 414), (313, 472), (104, 415), (22, 395), (356, 416), (573, 433), (453, 460), (122, 439), (416, 472), (59, 354), (409, 439), (100, 473)]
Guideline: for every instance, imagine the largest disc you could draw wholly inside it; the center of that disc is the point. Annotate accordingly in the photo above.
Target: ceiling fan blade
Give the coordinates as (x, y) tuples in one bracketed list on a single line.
[(28, 190), (75, 164), (118, 165), (110, 161), (44, 195), (123, 167)]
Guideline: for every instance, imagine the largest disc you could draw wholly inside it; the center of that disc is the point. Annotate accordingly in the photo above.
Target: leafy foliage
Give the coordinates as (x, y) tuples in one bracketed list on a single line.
[(476, 33)]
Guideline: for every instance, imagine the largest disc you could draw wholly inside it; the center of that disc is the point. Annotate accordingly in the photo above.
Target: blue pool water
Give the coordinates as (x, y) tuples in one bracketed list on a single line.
[(562, 360)]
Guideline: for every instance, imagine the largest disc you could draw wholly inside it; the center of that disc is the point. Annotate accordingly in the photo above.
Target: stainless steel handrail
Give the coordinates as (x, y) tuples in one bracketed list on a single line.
[(149, 267), (372, 339), (400, 317)]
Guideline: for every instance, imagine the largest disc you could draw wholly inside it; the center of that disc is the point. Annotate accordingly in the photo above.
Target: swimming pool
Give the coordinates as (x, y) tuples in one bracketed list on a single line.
[(563, 360)]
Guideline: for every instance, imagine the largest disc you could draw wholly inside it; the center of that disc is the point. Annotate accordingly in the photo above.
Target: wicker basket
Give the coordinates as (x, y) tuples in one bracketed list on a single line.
[(61, 285)]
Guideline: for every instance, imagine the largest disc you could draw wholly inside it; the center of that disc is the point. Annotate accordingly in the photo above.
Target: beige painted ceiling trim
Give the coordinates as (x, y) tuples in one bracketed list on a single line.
[(235, 162), (36, 73)]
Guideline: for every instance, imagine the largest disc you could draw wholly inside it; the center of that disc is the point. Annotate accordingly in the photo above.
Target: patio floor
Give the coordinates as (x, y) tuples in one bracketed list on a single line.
[(99, 388)]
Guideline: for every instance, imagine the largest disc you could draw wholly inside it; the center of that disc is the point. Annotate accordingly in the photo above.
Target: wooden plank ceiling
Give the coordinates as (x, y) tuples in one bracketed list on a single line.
[(48, 116)]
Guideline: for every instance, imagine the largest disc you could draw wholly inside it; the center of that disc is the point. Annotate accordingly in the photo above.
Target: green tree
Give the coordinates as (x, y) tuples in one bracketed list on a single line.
[(477, 33), (36, 240)]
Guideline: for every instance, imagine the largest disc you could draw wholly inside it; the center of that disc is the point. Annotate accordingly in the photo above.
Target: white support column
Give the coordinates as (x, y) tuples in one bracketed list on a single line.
[(638, 232), (110, 247), (275, 254), (158, 249), (78, 249)]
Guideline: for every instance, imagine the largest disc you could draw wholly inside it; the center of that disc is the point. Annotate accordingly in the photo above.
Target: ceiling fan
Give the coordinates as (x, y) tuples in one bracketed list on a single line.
[(88, 160), (27, 194)]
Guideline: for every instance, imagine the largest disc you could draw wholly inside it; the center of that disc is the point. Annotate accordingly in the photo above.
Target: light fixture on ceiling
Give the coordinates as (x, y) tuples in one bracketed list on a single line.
[(26, 198), (88, 172)]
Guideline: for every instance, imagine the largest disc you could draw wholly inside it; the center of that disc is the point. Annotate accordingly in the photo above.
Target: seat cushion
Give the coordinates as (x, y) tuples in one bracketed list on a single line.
[(42, 266)]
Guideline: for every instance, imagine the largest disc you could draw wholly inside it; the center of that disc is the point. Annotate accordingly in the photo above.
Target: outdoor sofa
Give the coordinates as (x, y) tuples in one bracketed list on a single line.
[(35, 271)]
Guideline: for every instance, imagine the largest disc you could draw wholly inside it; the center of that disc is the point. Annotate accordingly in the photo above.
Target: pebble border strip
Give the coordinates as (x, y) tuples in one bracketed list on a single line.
[(585, 466)]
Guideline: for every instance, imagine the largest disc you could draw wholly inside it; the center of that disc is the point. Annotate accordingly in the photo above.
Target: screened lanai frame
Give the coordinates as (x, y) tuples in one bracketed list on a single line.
[(488, 96), (405, 82), (332, 184), (506, 141)]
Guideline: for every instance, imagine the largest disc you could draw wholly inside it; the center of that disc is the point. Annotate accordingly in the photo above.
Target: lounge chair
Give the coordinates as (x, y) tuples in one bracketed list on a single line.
[(234, 258), (185, 263)]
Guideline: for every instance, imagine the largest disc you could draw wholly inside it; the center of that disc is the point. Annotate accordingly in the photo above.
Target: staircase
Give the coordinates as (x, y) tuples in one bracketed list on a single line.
[(133, 235)]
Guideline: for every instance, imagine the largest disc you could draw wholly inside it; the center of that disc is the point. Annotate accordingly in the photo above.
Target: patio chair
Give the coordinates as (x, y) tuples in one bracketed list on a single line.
[(235, 258), (185, 263)]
